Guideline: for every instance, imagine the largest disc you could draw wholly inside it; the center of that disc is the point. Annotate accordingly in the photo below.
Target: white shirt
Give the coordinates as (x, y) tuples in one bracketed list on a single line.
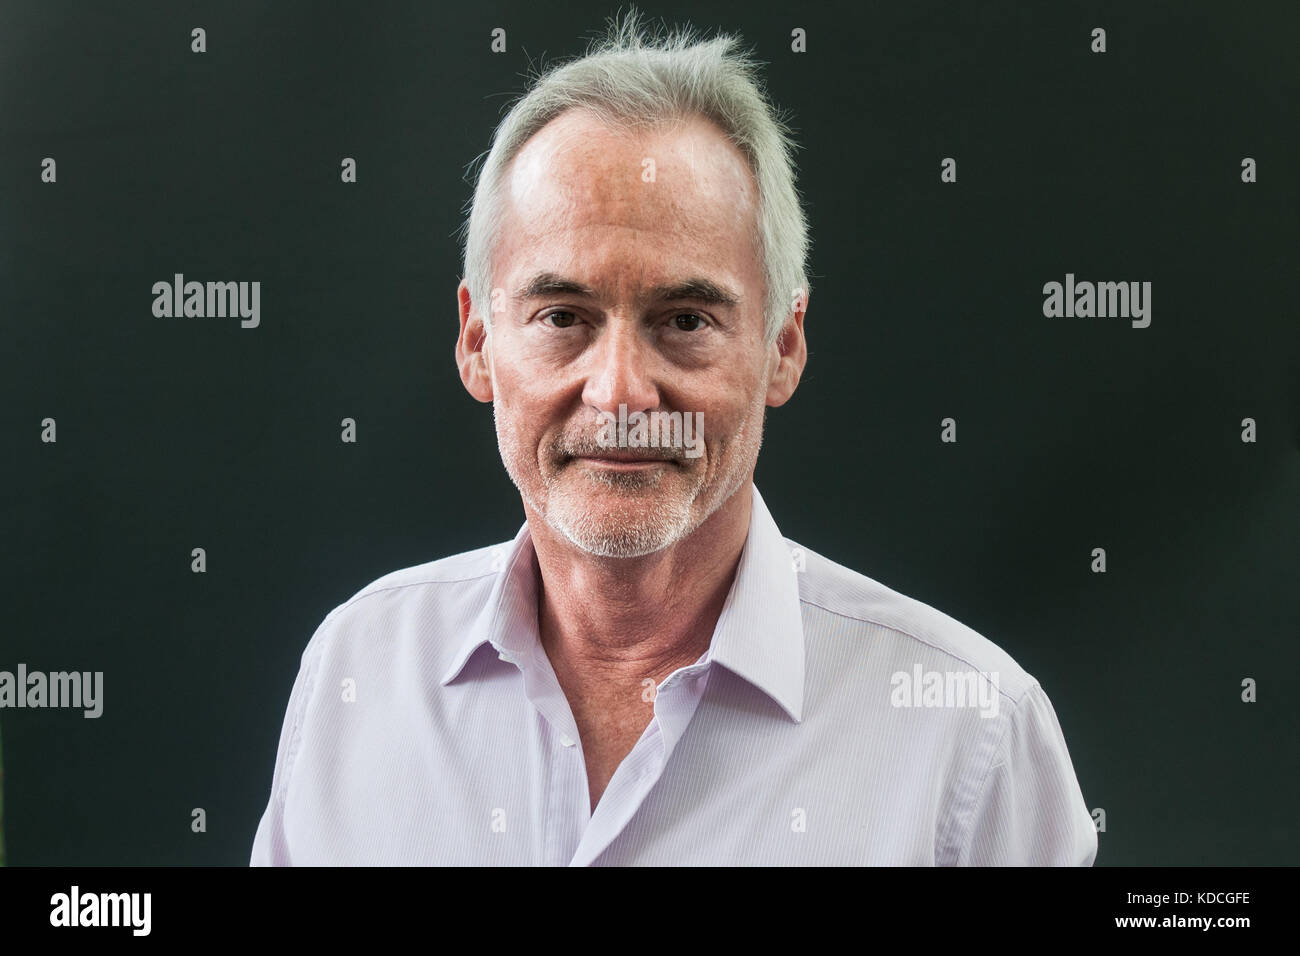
[(426, 727)]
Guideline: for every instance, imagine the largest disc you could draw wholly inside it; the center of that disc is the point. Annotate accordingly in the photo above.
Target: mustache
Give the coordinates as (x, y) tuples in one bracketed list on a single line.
[(568, 447)]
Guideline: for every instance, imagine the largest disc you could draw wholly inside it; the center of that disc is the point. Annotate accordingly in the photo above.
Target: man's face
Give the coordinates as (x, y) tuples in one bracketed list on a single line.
[(631, 276)]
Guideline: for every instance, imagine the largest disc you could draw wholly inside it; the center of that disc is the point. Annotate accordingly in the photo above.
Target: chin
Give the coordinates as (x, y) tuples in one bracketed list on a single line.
[(619, 542), (629, 531)]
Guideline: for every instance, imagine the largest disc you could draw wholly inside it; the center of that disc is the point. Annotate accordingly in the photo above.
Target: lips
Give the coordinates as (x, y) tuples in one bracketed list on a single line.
[(616, 458)]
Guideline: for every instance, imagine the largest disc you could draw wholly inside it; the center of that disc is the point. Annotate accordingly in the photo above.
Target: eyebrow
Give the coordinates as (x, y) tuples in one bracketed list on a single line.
[(695, 289), (550, 283)]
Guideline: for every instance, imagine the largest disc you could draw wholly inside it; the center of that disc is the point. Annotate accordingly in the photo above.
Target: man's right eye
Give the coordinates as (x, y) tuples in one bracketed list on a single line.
[(562, 320)]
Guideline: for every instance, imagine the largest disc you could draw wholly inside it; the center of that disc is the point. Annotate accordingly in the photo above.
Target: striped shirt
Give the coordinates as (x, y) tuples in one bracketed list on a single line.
[(831, 721)]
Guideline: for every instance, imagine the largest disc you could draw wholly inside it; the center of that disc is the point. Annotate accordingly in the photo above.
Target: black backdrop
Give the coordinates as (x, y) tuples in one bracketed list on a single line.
[(927, 303)]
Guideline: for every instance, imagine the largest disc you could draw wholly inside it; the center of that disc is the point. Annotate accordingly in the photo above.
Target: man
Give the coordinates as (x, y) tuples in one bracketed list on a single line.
[(649, 673)]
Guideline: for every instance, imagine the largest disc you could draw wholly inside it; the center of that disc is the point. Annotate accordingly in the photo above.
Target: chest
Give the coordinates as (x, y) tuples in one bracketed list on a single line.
[(608, 730)]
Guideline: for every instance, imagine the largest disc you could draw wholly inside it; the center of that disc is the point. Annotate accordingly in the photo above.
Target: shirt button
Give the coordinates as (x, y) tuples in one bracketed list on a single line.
[(566, 740)]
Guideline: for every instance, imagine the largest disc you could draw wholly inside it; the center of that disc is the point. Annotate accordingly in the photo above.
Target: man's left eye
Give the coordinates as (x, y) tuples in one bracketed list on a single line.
[(688, 322)]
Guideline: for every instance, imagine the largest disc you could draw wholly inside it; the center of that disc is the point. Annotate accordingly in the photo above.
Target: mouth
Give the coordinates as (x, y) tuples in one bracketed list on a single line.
[(619, 462)]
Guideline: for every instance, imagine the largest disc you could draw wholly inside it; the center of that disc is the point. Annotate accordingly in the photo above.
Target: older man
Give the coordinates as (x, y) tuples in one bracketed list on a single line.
[(649, 673)]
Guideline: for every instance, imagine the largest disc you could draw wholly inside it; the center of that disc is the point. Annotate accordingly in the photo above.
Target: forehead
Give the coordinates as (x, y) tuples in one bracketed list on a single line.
[(680, 188)]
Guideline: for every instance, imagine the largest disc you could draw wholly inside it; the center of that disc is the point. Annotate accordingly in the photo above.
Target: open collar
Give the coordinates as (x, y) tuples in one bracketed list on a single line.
[(759, 634)]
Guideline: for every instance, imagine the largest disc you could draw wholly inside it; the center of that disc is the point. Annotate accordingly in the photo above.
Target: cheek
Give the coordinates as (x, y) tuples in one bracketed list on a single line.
[(749, 398), (512, 391), (525, 414)]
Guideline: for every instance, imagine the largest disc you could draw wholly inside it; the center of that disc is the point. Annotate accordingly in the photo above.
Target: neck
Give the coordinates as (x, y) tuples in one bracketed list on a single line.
[(617, 619)]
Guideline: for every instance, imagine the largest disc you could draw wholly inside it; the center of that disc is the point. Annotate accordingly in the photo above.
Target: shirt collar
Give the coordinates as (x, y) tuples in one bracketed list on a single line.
[(759, 634)]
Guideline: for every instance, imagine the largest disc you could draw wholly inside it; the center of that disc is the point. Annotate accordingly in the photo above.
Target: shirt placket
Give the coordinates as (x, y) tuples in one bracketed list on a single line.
[(565, 814), (562, 813)]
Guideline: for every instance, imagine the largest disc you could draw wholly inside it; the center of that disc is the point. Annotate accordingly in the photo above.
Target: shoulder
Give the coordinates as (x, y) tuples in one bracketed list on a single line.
[(442, 577), (438, 597), (838, 600), (965, 711)]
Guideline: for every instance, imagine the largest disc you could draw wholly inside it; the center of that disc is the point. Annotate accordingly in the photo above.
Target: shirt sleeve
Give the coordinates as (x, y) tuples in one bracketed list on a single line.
[(270, 845), (1029, 810)]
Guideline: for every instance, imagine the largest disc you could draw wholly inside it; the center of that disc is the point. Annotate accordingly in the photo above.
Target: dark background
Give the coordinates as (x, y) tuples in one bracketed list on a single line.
[(926, 303)]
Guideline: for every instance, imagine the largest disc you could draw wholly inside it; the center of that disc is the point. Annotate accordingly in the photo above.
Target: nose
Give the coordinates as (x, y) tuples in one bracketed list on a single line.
[(622, 370)]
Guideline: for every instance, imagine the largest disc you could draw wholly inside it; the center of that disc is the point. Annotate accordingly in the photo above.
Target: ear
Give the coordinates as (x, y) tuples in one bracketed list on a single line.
[(472, 355), (790, 352)]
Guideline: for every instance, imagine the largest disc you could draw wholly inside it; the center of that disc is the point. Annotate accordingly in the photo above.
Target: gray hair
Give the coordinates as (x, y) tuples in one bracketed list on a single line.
[(627, 79)]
